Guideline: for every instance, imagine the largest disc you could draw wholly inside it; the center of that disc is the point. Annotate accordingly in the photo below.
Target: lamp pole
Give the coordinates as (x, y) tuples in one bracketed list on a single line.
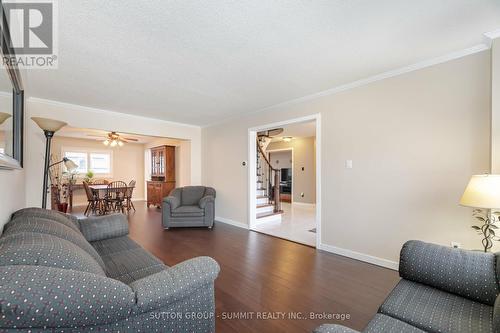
[(48, 136)]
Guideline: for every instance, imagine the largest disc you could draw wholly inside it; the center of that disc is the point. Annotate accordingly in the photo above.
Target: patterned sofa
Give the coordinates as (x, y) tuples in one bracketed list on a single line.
[(60, 274), (442, 290)]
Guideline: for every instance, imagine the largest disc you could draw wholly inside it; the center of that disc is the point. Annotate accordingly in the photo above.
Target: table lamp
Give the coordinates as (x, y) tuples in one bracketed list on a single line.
[(483, 194), (49, 127)]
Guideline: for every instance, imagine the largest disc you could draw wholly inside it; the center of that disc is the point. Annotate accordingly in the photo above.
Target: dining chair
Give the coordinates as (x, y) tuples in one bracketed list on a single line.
[(93, 200), (115, 196), (128, 196)]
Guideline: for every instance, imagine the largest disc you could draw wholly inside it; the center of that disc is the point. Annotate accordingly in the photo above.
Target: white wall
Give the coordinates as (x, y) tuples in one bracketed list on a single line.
[(83, 117), (12, 194), (415, 140)]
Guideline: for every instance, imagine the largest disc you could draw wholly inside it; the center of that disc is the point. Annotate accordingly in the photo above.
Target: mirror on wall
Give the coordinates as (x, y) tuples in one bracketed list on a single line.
[(11, 103), (6, 116)]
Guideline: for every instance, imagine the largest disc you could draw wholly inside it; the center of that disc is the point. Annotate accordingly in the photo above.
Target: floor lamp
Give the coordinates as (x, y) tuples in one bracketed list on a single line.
[(49, 127)]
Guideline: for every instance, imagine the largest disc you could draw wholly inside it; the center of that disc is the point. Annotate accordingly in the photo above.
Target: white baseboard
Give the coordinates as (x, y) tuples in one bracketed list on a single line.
[(231, 222), (303, 204), (360, 256)]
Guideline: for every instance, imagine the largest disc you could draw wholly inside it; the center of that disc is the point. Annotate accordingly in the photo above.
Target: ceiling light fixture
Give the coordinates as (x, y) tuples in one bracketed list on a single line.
[(114, 139), (287, 138)]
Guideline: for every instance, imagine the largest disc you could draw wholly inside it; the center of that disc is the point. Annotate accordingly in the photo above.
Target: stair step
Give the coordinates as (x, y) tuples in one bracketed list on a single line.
[(265, 205)]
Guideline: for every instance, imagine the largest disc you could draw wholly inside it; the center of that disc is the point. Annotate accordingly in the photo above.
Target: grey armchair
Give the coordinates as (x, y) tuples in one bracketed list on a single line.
[(190, 206)]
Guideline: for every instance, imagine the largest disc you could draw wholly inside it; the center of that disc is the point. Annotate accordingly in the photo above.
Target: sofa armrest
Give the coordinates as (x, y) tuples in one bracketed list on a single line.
[(174, 283), (104, 227), (205, 200), (333, 328), (470, 274)]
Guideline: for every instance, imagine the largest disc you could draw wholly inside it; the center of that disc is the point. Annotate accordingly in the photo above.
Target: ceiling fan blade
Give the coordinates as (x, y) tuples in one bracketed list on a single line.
[(131, 139), (96, 136)]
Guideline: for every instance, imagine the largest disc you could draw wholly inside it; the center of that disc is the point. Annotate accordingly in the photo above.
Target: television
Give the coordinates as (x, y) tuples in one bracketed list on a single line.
[(286, 174)]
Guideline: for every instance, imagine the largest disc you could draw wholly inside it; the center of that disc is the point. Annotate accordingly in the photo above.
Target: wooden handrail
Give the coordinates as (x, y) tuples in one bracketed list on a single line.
[(264, 155), (276, 186)]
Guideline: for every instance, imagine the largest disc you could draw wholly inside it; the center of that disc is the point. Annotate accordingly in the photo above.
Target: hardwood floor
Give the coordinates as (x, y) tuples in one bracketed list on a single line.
[(260, 273)]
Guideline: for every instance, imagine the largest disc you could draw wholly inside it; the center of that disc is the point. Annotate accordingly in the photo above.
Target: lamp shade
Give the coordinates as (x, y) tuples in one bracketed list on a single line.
[(50, 125), (4, 116), (70, 165), (483, 191)]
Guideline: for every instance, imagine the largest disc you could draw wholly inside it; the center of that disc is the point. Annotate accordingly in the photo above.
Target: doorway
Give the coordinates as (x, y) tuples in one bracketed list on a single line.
[(291, 151)]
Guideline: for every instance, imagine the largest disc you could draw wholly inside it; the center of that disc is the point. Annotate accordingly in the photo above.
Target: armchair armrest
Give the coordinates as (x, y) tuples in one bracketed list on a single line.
[(174, 202), (470, 274), (333, 328), (205, 200), (175, 283), (104, 227)]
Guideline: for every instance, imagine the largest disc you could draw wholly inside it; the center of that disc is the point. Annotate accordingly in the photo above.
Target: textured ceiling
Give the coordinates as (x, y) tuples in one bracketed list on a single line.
[(200, 62)]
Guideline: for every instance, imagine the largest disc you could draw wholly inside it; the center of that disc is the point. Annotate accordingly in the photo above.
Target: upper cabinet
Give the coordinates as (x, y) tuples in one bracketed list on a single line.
[(163, 163)]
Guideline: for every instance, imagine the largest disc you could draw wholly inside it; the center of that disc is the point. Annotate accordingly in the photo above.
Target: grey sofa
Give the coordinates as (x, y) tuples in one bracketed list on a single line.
[(190, 206), (60, 274), (442, 290)]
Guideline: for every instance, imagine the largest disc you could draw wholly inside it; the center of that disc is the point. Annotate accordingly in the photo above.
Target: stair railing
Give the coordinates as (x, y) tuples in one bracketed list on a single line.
[(272, 188)]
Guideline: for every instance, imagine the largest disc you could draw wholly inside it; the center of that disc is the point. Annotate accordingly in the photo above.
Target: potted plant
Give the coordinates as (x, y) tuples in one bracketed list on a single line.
[(89, 177)]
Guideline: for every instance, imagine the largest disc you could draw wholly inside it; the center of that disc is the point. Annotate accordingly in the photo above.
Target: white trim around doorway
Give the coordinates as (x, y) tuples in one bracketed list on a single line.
[(252, 168)]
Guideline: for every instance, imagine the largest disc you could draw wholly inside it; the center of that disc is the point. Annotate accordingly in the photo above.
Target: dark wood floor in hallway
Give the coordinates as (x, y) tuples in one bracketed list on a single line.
[(267, 275)]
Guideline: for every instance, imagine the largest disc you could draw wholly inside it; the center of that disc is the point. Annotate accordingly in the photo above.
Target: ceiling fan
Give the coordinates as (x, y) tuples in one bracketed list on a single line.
[(113, 139)]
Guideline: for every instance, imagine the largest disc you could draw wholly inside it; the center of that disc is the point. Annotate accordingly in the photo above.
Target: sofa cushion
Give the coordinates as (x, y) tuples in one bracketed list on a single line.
[(127, 262), (433, 310), (188, 211), (50, 227), (385, 324), (191, 195), (470, 274), (37, 249), (34, 296), (68, 220), (104, 227)]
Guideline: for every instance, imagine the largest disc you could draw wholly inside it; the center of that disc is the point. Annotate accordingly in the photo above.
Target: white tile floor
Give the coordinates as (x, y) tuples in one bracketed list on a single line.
[(295, 224)]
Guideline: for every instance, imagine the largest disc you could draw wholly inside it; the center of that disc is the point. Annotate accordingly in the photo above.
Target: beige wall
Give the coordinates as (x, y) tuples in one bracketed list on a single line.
[(281, 159), (128, 163), (182, 159), (304, 181), (415, 140)]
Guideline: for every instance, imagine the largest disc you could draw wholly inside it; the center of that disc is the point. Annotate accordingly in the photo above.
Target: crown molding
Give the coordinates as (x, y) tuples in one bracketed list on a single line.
[(90, 109), (489, 37)]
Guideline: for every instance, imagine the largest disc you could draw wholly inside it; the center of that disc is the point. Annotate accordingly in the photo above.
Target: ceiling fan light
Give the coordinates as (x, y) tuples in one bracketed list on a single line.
[(113, 143), (287, 138), (106, 142), (120, 143)]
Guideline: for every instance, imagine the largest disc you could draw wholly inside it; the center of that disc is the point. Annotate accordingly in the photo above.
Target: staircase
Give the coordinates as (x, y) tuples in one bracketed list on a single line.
[(268, 205)]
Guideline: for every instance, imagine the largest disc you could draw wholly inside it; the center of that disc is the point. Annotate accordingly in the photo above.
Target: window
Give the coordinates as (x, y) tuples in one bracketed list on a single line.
[(80, 159), (99, 162)]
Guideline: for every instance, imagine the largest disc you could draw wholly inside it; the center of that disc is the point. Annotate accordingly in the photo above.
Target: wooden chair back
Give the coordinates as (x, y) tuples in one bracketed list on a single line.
[(116, 190), (130, 189), (88, 191)]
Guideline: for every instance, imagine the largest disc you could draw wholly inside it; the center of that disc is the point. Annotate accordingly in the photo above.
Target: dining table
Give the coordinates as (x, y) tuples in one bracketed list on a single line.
[(100, 190)]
